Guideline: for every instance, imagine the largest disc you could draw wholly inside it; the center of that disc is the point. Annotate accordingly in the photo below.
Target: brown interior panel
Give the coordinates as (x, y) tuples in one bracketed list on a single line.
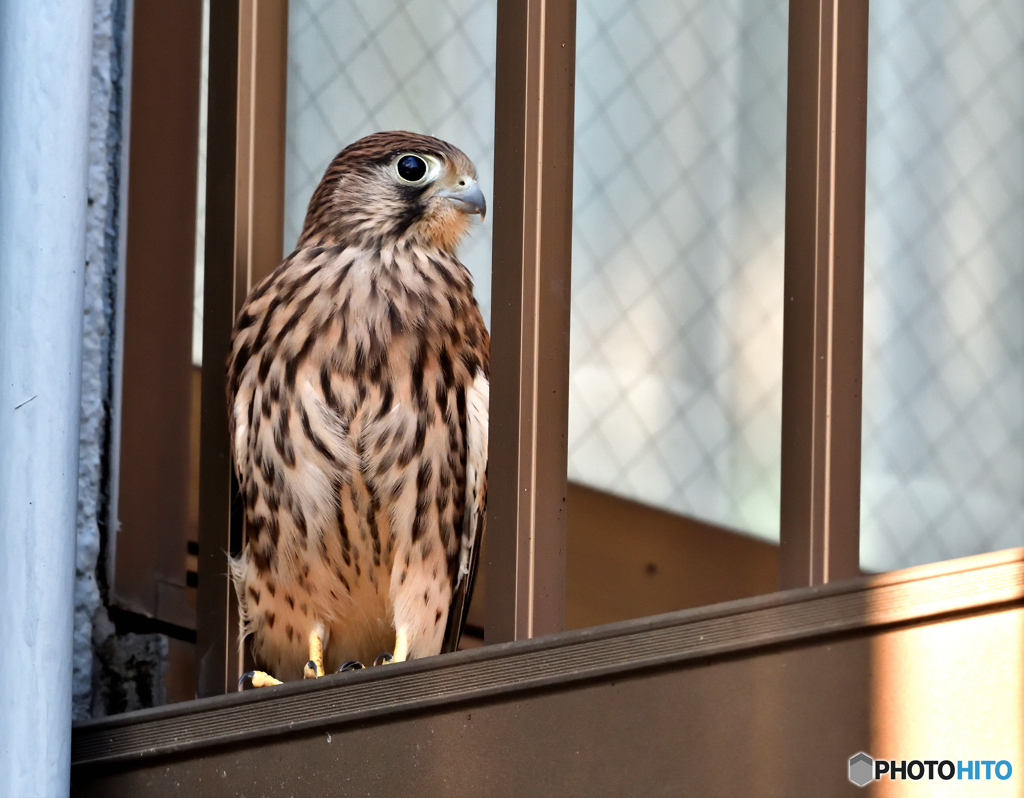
[(151, 555), (628, 560)]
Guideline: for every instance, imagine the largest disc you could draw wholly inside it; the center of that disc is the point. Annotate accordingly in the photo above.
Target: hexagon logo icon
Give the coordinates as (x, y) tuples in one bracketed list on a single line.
[(862, 769)]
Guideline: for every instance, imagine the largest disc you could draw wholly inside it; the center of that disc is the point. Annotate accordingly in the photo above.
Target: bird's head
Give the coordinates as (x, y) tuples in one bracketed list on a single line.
[(392, 186)]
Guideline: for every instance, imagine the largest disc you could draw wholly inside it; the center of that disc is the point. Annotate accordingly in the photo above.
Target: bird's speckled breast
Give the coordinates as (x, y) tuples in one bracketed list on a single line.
[(348, 382)]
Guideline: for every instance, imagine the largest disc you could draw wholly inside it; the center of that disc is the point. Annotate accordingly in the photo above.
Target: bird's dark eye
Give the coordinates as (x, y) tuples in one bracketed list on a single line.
[(412, 168)]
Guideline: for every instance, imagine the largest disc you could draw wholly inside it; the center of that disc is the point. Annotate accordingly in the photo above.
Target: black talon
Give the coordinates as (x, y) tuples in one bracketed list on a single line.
[(311, 665), (245, 681), (384, 659), (351, 665)]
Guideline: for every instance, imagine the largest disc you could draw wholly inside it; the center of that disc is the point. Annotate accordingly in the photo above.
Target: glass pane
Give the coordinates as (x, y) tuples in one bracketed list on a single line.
[(356, 67), (675, 394), (943, 453), (675, 372)]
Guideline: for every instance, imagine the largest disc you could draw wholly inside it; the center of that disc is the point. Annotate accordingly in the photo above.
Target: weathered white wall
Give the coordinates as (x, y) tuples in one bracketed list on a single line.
[(44, 113)]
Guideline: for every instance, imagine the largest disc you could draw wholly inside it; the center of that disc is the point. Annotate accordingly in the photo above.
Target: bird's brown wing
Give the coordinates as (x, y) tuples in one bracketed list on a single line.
[(477, 399)]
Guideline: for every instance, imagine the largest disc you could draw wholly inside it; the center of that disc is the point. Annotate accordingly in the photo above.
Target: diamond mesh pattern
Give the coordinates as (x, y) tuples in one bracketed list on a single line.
[(675, 369), (943, 456), (677, 265), (358, 67), (675, 376)]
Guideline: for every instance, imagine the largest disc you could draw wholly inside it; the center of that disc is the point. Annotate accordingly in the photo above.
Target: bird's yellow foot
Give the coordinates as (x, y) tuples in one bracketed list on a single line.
[(384, 659), (315, 665), (401, 644), (252, 679), (351, 665)]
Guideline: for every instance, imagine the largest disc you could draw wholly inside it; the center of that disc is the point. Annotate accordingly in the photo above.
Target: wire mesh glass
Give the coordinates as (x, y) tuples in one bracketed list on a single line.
[(943, 435), (676, 353), (357, 67), (678, 233), (675, 369)]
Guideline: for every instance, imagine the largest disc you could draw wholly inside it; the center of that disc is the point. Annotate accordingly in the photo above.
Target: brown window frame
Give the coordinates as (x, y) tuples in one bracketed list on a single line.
[(149, 526), (771, 692), (823, 289)]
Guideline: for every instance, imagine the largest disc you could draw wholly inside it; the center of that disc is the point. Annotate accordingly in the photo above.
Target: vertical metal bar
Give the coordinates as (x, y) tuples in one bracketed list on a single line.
[(824, 291), (215, 631), (244, 228), (262, 83), (536, 55)]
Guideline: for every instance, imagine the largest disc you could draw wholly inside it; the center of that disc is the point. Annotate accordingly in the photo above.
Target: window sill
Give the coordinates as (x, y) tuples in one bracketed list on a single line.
[(674, 640)]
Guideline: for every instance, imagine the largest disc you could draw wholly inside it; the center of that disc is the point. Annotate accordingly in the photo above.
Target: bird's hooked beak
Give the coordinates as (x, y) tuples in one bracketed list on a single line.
[(466, 196)]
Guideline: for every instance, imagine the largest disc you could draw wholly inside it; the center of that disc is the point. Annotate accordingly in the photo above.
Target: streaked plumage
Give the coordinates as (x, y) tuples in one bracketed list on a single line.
[(358, 392)]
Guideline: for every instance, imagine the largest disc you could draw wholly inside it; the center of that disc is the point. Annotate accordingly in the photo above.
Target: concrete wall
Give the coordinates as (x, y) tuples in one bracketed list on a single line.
[(111, 672), (103, 238)]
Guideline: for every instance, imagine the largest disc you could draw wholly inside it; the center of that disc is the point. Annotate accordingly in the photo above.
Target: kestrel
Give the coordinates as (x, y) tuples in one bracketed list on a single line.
[(358, 395)]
